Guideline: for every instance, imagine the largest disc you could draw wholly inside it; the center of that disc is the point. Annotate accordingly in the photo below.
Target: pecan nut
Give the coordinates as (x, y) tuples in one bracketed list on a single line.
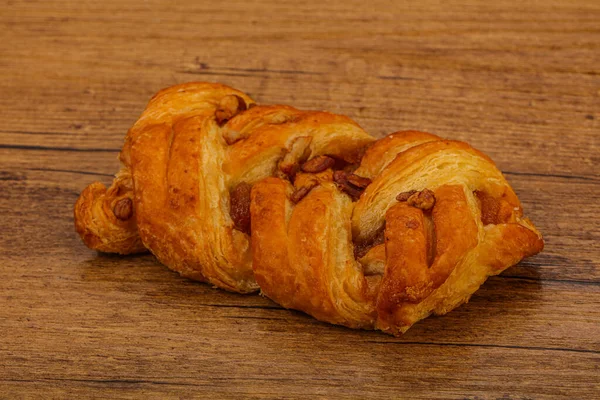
[(318, 164), (425, 199), (359, 181), (123, 209), (341, 179), (302, 191), (405, 195)]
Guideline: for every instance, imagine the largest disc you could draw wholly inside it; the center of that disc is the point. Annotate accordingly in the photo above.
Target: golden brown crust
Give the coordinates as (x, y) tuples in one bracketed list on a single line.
[(97, 223), (307, 207), (383, 151), (303, 256), (437, 253), (270, 130), (191, 147)]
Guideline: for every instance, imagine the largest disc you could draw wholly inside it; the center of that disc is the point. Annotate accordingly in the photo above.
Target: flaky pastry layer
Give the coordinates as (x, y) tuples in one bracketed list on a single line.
[(308, 208)]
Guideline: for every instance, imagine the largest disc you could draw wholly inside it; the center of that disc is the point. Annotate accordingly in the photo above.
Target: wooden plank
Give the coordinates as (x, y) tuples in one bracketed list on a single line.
[(503, 124), (138, 295), (104, 323), (332, 373)]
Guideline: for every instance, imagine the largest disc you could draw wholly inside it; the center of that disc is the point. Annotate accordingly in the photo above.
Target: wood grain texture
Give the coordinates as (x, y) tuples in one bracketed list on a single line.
[(518, 80)]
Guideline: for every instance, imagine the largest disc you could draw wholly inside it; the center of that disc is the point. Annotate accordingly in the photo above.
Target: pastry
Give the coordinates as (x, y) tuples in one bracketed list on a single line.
[(308, 208)]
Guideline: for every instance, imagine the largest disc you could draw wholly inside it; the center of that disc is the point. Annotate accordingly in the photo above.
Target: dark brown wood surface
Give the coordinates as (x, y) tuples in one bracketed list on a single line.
[(518, 80)]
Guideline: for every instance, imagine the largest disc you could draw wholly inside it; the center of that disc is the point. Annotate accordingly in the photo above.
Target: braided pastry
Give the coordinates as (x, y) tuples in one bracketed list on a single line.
[(308, 208)]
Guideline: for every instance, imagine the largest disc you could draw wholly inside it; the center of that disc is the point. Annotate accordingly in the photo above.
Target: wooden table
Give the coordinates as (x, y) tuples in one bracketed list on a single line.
[(519, 81)]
